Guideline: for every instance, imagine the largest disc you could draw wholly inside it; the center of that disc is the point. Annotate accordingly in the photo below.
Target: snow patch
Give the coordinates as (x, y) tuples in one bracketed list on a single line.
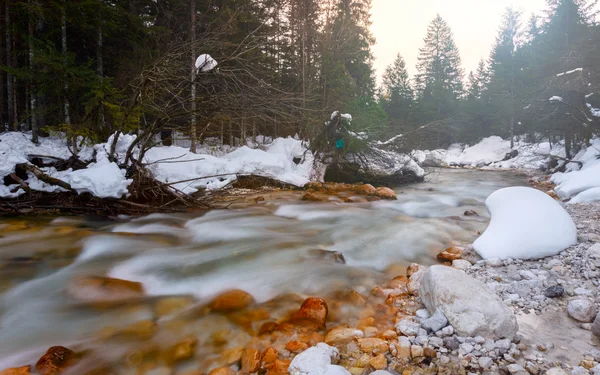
[(526, 224), (205, 63), (556, 99)]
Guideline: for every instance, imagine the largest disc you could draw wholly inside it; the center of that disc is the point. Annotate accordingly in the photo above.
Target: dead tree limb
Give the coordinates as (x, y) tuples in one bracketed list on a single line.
[(44, 177), (22, 183)]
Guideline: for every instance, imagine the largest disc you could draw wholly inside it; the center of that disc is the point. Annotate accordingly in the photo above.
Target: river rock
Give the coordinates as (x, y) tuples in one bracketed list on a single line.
[(593, 251), (461, 264), (104, 289), (596, 326), (56, 359), (25, 370), (313, 311), (231, 300), (386, 193), (222, 371), (414, 282), (342, 335), (554, 291), (450, 254), (470, 307), (408, 327), (250, 360), (318, 360), (436, 322), (582, 309), (556, 371)]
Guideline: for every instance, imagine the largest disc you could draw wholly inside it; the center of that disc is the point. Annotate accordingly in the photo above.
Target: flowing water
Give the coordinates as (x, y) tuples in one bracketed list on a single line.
[(266, 250)]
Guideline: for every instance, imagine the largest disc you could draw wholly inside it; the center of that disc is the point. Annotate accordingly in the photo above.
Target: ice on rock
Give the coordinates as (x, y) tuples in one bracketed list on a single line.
[(526, 224)]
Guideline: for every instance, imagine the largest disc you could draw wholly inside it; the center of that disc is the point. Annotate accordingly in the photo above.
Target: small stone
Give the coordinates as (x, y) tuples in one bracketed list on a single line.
[(451, 343), (55, 360), (596, 326), (556, 371), (436, 322), (296, 346), (379, 362), (403, 347), (465, 348), (342, 335), (448, 331), (485, 362), (436, 342), (369, 345), (269, 356), (222, 371), (554, 291), (313, 311), (416, 351), (583, 310), (385, 193), (461, 264), (503, 345), (250, 360), (516, 369), (408, 327), (494, 262), (423, 314), (181, 351), (532, 368), (25, 370), (450, 254), (231, 300), (579, 371), (429, 353), (593, 251)]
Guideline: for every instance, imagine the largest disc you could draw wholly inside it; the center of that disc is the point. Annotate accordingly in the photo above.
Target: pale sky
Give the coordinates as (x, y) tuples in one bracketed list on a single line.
[(401, 25)]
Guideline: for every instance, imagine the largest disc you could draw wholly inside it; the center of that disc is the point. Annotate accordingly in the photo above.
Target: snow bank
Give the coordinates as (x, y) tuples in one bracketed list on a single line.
[(573, 183), (489, 154), (526, 224), (201, 171), (103, 178)]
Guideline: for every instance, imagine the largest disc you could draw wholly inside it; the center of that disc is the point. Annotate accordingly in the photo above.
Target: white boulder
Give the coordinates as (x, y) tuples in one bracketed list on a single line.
[(470, 307), (317, 360), (582, 309), (526, 224)]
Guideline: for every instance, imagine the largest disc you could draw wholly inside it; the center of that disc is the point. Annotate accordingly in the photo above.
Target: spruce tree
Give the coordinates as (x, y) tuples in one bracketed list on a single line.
[(440, 80), (397, 93)]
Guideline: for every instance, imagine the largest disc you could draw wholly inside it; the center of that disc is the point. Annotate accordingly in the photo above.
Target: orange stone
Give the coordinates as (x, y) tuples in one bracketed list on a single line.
[(313, 311), (55, 360), (366, 189), (280, 367), (296, 346), (379, 362), (429, 353), (104, 289), (398, 282), (250, 360), (269, 356), (310, 197), (222, 371), (231, 301), (25, 370), (412, 269), (386, 193), (450, 254), (268, 327)]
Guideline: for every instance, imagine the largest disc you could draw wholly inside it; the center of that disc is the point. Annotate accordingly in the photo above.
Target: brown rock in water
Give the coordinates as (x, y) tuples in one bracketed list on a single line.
[(296, 346), (334, 256), (310, 197), (181, 351), (222, 371), (25, 370), (386, 193), (313, 310), (366, 189), (268, 327), (250, 360), (471, 213), (104, 289), (450, 254), (398, 282), (269, 356), (56, 359), (231, 301), (170, 305)]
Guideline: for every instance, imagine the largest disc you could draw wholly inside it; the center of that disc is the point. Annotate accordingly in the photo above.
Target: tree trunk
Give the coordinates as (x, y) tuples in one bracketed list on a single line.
[(32, 98), (10, 83), (67, 116), (2, 75), (512, 132), (100, 70), (193, 134)]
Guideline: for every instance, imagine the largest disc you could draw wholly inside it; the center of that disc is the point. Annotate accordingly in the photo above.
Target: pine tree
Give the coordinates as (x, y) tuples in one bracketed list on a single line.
[(439, 82), (397, 93), (477, 81), (505, 89)]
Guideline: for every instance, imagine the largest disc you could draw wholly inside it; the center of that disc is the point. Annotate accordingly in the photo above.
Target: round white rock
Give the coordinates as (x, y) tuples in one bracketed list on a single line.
[(526, 224)]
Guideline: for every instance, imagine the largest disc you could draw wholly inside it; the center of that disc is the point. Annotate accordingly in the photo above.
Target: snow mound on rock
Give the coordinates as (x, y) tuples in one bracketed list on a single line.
[(526, 224)]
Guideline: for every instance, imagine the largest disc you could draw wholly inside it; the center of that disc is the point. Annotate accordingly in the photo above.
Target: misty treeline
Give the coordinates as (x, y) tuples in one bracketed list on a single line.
[(540, 82), (90, 68)]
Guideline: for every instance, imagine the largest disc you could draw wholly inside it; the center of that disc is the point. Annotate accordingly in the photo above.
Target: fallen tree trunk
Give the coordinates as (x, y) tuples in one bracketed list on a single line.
[(44, 177)]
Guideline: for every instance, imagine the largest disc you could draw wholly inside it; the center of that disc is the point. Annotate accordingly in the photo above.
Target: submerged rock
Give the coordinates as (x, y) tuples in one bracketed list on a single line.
[(25, 370), (386, 193), (104, 289), (313, 311), (231, 301), (56, 359), (470, 307)]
